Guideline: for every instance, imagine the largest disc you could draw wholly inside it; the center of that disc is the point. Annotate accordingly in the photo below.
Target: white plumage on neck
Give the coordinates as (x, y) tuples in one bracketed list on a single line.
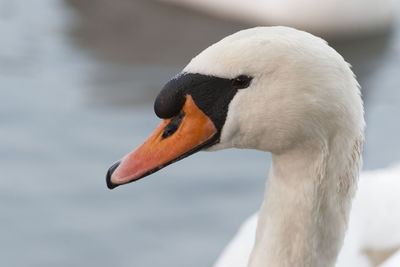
[(303, 217), (373, 226)]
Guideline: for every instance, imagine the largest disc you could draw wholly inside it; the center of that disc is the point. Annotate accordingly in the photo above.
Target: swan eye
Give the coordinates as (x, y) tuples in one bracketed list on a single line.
[(241, 81)]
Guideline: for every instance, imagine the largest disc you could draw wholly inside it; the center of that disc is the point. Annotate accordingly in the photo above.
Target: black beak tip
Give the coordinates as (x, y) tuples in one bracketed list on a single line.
[(110, 171)]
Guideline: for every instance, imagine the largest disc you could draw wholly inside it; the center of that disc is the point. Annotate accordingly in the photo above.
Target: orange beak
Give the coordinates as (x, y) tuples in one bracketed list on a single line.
[(172, 140)]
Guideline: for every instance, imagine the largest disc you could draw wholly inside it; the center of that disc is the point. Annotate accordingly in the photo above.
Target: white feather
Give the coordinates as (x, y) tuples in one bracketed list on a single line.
[(374, 224)]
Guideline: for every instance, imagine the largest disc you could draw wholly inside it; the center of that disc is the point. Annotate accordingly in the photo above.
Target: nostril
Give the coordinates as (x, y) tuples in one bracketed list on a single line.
[(173, 125), (110, 171)]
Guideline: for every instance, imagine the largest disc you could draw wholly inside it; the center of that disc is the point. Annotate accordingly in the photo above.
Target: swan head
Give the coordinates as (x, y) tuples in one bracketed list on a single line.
[(267, 88)]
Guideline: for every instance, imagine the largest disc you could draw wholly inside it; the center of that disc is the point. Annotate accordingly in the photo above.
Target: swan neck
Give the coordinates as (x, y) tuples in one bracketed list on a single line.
[(304, 214)]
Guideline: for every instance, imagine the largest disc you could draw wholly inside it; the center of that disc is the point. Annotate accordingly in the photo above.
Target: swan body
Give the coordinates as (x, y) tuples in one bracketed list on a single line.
[(279, 90), (329, 18), (374, 224)]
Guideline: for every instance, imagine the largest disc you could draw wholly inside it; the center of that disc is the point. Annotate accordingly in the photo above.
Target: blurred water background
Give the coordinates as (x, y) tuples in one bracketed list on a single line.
[(77, 81)]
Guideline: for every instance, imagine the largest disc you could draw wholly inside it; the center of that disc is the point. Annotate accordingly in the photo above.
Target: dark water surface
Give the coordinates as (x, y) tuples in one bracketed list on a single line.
[(70, 106)]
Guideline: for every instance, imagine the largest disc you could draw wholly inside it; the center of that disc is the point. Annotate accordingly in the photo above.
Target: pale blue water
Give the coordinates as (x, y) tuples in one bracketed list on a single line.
[(61, 126)]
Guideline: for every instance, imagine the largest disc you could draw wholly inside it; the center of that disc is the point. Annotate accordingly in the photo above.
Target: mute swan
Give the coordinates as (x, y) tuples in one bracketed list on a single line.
[(274, 89), (374, 224), (329, 18)]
